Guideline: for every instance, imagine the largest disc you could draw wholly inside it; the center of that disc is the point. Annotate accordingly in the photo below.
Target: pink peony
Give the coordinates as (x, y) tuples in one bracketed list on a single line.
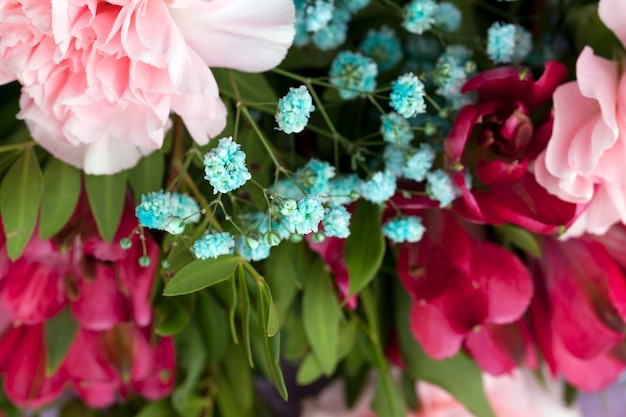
[(100, 78), (584, 159)]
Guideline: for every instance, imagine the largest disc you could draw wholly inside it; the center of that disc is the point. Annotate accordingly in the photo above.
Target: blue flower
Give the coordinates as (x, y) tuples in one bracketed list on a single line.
[(508, 43), (404, 229), (440, 188), (315, 175), (307, 217), (287, 188), (354, 74), (157, 207), (419, 16), (452, 71), (258, 253), (448, 17), (318, 15), (225, 166), (407, 95), (337, 222), (395, 159), (212, 245), (342, 189), (395, 129), (354, 5), (335, 33), (383, 46), (379, 188), (294, 110), (418, 164)]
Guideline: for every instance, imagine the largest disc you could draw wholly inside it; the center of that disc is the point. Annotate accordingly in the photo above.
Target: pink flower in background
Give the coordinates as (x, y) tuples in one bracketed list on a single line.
[(100, 78), (584, 159)]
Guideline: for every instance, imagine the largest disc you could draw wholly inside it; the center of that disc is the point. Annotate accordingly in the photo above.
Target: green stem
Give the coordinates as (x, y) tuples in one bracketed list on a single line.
[(17, 146)]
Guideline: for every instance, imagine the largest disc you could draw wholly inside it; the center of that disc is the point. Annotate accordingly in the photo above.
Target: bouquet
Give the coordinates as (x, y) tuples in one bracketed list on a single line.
[(359, 208)]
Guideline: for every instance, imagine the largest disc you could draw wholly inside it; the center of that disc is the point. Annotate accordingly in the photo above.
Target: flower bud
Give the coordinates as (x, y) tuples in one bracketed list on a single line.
[(174, 225), (272, 238)]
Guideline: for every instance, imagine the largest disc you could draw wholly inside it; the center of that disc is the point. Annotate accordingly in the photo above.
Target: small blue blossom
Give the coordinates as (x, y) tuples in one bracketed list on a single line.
[(419, 16), (379, 188), (258, 253), (337, 222), (225, 166), (395, 159), (395, 129), (287, 188), (418, 164), (212, 245), (335, 33), (440, 188), (508, 43), (315, 175), (318, 15), (407, 95), (354, 74), (453, 69), (404, 229), (341, 189), (294, 110), (288, 206), (278, 225), (355, 5), (307, 217), (302, 34), (186, 207), (448, 17), (383, 46), (157, 207)]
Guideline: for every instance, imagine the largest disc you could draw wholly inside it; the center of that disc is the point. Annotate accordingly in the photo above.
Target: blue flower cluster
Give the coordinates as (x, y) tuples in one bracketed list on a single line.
[(440, 188), (404, 229), (453, 69), (225, 166), (383, 46), (418, 164), (315, 175), (407, 95), (212, 245), (167, 211), (448, 17), (395, 129), (252, 251), (419, 16), (380, 187), (343, 190), (354, 74), (294, 110), (307, 216), (508, 43), (337, 222)]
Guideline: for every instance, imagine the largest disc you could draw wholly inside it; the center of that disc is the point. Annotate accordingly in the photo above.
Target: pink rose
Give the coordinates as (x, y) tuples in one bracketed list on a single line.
[(584, 160), (100, 78)]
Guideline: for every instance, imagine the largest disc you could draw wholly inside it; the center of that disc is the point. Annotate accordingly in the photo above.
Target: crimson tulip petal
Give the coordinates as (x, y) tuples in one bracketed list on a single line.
[(498, 172), (154, 371), (463, 125), (432, 330), (497, 349)]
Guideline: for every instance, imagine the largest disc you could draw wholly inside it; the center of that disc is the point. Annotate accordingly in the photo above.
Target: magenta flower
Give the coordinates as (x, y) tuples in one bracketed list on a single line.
[(100, 78), (497, 141), (462, 286), (584, 160)]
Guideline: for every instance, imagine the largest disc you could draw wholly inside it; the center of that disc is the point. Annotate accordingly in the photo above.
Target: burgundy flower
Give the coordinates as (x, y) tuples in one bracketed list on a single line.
[(464, 288), (578, 312), (497, 139)]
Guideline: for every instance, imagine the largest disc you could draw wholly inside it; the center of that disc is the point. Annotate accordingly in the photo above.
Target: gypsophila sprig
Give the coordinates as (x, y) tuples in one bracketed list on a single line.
[(212, 245), (294, 110), (440, 188), (354, 74), (380, 187), (507, 43), (307, 217), (383, 46), (335, 32), (315, 175), (407, 95), (342, 190), (318, 14), (404, 229), (395, 129), (225, 166), (419, 16), (158, 210), (448, 17), (418, 164), (337, 222), (257, 253)]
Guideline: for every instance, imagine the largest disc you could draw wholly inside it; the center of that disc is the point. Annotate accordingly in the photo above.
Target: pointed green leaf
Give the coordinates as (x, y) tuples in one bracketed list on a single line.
[(309, 370), (61, 188), (172, 315), (20, 197), (191, 357), (245, 307), (365, 247), (213, 323), (147, 175), (320, 317), (521, 238), (272, 314), (200, 274), (252, 88), (106, 198), (156, 409), (59, 333)]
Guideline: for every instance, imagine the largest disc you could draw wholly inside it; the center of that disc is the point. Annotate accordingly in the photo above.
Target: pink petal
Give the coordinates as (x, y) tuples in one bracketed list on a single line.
[(613, 14), (432, 330), (497, 349), (247, 35), (154, 371)]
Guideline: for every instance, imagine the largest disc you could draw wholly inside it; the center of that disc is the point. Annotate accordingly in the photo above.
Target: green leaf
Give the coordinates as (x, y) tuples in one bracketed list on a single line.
[(252, 87), (365, 247), (309, 370), (272, 314), (200, 274), (20, 197), (521, 238), (239, 374), (246, 307), (213, 323), (156, 409), (106, 198), (147, 175), (320, 317), (284, 272), (59, 333), (61, 188), (172, 315), (191, 357), (459, 375)]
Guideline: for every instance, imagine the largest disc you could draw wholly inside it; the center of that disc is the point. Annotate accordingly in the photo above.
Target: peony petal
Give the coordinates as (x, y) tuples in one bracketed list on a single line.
[(613, 14), (247, 35)]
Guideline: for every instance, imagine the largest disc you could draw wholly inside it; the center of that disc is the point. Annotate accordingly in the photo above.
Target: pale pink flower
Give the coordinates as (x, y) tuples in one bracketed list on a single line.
[(584, 160), (100, 78)]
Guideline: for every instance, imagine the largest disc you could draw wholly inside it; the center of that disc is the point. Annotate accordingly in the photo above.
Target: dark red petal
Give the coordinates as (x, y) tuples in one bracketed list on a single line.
[(497, 349), (432, 329), (499, 172), (154, 370), (554, 74), (460, 133)]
